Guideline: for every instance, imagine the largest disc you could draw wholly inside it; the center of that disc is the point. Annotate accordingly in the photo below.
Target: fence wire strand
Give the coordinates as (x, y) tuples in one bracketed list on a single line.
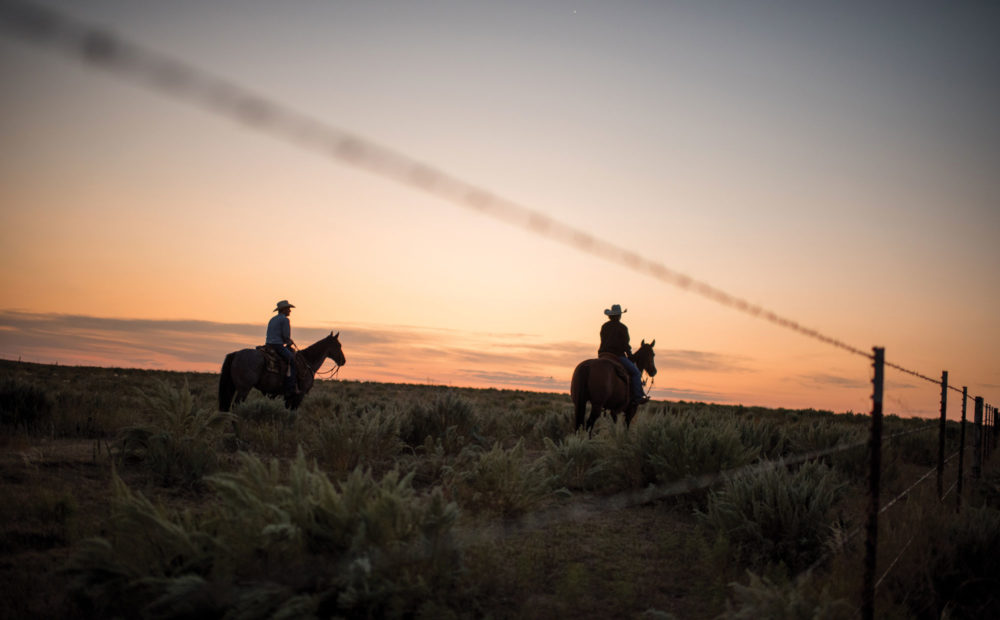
[(905, 493)]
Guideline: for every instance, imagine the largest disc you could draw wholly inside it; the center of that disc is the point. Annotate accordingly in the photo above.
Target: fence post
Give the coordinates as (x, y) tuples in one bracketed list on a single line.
[(874, 480), (993, 430), (977, 439), (961, 452), (944, 408), (990, 429), (996, 429), (987, 435), (986, 431)]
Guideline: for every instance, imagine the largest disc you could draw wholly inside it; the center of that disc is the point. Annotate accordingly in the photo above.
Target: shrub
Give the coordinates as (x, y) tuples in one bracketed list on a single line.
[(772, 515), (769, 438), (576, 462), (554, 426), (795, 599), (435, 419), (962, 564), (683, 446), (275, 546), (348, 440), (260, 409), (435, 462), (500, 482), (178, 446), (24, 406), (815, 435)]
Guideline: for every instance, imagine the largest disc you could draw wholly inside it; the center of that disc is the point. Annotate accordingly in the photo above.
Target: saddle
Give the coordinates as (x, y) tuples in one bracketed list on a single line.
[(273, 362), (619, 369)]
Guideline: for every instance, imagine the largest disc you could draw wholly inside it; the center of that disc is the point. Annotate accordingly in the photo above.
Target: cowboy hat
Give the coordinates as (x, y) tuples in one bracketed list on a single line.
[(283, 304), (616, 310)]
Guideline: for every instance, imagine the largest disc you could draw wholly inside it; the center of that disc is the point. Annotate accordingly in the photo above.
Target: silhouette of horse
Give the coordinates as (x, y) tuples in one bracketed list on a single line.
[(247, 369), (602, 383)]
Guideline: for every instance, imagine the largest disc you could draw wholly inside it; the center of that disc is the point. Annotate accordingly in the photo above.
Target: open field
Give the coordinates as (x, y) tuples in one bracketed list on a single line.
[(125, 493)]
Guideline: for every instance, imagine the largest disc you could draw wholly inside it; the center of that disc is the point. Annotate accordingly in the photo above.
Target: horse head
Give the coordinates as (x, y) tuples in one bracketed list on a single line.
[(334, 351), (643, 358)]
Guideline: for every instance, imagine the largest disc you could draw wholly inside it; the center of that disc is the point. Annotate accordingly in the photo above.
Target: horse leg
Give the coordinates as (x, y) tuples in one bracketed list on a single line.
[(630, 412), (242, 392), (580, 411), (596, 408)]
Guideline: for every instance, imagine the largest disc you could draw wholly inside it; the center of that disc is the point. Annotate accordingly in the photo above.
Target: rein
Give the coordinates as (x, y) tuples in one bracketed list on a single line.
[(650, 390), (329, 373), (322, 375)]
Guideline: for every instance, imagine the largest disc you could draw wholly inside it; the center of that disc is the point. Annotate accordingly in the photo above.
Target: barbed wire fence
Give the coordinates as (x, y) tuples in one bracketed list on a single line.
[(102, 49)]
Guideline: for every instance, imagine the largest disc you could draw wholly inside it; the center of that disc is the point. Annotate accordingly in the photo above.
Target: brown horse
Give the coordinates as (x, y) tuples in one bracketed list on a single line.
[(247, 369), (598, 382)]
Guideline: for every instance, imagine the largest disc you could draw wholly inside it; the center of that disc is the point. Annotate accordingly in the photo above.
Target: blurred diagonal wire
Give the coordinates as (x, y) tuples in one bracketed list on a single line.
[(106, 50)]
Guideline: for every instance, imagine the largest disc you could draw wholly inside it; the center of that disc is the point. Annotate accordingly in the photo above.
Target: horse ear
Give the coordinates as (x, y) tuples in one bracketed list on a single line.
[(643, 342), (337, 334), (653, 344)]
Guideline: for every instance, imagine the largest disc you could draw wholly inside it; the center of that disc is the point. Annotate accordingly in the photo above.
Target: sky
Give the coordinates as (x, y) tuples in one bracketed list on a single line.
[(835, 163)]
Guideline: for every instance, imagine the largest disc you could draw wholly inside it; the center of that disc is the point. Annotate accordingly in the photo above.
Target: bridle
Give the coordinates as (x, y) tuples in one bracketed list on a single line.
[(650, 378), (329, 374)]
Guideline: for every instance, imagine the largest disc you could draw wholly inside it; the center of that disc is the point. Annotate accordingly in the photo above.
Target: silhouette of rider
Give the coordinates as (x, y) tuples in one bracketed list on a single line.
[(615, 340), (279, 339)]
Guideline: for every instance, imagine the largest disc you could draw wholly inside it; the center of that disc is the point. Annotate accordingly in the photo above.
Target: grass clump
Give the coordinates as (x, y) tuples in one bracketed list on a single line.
[(773, 516), (179, 443), (24, 406), (345, 441), (275, 546), (955, 571), (447, 417), (500, 482), (795, 599), (686, 445), (577, 462)]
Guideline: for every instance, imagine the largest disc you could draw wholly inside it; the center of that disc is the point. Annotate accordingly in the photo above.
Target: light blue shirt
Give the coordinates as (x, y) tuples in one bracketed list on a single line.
[(279, 330)]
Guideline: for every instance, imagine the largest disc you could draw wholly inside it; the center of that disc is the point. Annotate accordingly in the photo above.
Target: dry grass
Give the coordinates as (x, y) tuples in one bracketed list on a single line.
[(589, 558)]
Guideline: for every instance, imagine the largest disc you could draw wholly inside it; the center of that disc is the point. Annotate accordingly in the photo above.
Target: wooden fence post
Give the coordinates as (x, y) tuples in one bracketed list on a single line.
[(961, 452), (944, 408), (996, 430), (977, 439), (874, 480), (992, 443), (986, 431), (985, 445)]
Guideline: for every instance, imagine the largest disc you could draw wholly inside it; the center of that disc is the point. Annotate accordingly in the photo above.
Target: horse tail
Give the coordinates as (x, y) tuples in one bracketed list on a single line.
[(578, 392), (227, 389)]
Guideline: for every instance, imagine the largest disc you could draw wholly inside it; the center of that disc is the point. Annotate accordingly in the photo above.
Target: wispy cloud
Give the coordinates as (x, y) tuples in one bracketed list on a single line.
[(396, 353), (828, 380), (381, 353), (680, 359), (705, 396)]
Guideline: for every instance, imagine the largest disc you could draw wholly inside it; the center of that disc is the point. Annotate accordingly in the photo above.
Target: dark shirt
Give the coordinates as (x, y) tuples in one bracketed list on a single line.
[(614, 338)]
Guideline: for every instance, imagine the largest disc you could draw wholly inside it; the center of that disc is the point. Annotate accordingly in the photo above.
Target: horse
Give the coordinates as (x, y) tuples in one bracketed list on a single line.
[(247, 369), (598, 382)]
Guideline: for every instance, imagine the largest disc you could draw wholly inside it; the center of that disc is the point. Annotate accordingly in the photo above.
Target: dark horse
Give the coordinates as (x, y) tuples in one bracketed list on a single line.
[(598, 382), (246, 369)]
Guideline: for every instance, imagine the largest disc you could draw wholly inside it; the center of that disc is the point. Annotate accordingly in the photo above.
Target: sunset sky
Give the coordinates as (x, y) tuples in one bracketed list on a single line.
[(836, 163)]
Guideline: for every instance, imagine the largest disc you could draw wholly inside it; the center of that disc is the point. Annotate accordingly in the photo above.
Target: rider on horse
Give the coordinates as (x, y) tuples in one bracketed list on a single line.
[(615, 340), (279, 339)]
